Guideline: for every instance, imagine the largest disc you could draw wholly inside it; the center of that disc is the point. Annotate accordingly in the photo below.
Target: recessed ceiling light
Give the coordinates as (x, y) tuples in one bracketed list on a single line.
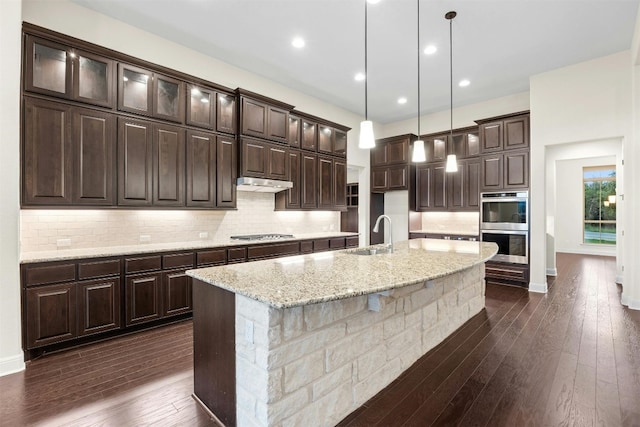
[(464, 83), (298, 42), (402, 100), (359, 77), (430, 50)]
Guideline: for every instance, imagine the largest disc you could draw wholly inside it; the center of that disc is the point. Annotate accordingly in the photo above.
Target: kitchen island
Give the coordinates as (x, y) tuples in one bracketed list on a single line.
[(305, 340)]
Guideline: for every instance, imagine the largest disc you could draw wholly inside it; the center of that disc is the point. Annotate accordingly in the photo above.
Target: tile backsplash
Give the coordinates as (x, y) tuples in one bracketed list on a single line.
[(45, 230), (451, 222)]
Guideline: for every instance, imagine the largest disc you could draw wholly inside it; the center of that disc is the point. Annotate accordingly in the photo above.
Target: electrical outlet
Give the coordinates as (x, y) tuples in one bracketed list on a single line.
[(203, 235), (61, 243), (145, 238)]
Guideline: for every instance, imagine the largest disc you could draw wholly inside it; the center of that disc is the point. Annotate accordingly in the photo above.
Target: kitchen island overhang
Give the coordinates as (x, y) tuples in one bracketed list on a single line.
[(308, 339)]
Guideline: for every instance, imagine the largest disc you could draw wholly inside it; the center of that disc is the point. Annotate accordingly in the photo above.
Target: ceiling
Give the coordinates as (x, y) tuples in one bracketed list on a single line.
[(497, 44)]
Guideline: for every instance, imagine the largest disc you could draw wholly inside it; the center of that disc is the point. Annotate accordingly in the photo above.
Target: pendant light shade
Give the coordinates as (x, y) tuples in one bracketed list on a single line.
[(419, 154), (452, 161), (367, 139)]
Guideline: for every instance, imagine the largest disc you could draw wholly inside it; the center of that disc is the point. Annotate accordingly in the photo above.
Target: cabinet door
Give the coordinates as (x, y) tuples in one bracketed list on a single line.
[(168, 166), (278, 124), (277, 162), (294, 131), (93, 78), (471, 192), (98, 305), (143, 298), (254, 158), (516, 169), (325, 182), (254, 118), (290, 199), (473, 144), (177, 293), (48, 68), (455, 188), (340, 143), (439, 148), (491, 135), (516, 132), (398, 151), (457, 145), (379, 155), (379, 179), (424, 179), (201, 103), (325, 139), (135, 89), (439, 189), (135, 154), (168, 98), (226, 113), (309, 135), (492, 172), (309, 185), (201, 169), (340, 184), (226, 172), (47, 160), (397, 177), (94, 153), (50, 314)]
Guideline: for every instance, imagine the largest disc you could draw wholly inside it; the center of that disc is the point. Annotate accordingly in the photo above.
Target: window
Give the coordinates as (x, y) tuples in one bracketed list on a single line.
[(599, 205)]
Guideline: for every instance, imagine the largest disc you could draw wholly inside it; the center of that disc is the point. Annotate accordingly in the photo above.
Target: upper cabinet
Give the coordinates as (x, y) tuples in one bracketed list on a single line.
[(263, 117), (209, 109), (390, 163), (141, 91), (61, 71), (504, 133), (464, 143)]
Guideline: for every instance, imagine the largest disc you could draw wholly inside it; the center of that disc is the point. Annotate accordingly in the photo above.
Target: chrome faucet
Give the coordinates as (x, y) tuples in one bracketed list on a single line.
[(376, 228)]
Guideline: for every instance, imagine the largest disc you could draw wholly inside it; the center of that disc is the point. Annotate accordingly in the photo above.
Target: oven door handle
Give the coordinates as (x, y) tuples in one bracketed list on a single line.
[(519, 232)]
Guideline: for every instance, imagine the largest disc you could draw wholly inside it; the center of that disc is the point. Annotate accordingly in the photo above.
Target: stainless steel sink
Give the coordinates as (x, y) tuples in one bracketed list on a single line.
[(371, 251)]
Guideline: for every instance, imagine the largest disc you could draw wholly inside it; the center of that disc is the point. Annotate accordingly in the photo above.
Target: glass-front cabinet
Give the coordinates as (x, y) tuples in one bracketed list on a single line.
[(64, 72)]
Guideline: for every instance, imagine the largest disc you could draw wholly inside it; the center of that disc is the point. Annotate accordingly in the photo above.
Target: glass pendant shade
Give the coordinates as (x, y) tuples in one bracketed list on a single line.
[(419, 154), (452, 163), (367, 140)]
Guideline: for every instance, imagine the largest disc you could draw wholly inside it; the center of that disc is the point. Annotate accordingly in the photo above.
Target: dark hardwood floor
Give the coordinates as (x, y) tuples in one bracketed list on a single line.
[(570, 357)]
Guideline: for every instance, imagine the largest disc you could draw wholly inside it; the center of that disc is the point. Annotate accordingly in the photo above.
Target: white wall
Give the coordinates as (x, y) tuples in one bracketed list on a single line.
[(582, 102), (11, 358), (396, 207), (569, 206)]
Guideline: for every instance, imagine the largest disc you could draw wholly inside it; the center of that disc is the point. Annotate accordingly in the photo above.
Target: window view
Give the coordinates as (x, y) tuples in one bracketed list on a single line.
[(600, 205)]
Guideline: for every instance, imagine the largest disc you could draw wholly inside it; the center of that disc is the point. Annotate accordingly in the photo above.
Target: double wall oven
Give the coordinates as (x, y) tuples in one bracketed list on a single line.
[(504, 220)]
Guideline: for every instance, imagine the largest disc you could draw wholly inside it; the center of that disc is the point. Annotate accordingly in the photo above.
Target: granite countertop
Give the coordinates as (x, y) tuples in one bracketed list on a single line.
[(107, 251), (326, 276)]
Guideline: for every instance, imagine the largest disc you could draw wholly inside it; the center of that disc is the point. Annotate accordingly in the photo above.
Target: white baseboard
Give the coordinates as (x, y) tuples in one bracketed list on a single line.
[(552, 272), (540, 288), (630, 303), (11, 365)]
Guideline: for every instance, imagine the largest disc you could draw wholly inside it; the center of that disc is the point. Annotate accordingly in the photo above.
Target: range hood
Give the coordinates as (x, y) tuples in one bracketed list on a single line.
[(262, 185)]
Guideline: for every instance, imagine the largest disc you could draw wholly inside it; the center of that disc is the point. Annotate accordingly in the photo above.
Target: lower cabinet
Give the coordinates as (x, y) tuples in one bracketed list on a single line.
[(98, 305), (143, 298), (176, 289)]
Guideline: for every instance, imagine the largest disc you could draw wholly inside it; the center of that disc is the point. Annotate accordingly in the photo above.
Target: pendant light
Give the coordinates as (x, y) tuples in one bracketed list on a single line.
[(367, 140), (452, 161), (419, 154)]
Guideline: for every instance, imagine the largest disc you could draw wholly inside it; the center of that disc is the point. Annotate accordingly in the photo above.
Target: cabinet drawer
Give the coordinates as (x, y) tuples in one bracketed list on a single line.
[(177, 260), (88, 270), (236, 255), (148, 263), (515, 272), (306, 247), (214, 257), (337, 243), (320, 245), (352, 242), (274, 250), (50, 274)]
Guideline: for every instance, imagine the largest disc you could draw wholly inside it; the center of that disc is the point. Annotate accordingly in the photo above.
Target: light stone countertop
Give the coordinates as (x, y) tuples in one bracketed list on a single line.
[(327, 276), (107, 251), (447, 233)]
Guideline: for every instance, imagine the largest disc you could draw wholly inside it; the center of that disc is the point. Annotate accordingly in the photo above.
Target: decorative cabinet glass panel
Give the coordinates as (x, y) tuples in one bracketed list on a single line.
[(325, 139), (48, 68), (340, 143), (309, 135), (93, 79), (134, 89), (294, 131), (200, 107), (225, 113), (168, 98)]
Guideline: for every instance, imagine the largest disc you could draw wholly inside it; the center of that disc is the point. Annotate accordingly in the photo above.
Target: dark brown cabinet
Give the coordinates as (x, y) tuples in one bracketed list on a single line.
[(309, 135), (264, 118), (69, 155), (176, 290), (339, 184), (201, 169), (261, 159), (508, 170), (64, 72), (226, 171), (142, 91), (309, 181), (325, 183), (135, 162), (464, 143), (325, 139), (51, 314), (506, 133), (431, 191), (436, 147), (438, 190), (168, 166), (209, 109), (290, 199), (98, 305), (294, 131), (390, 164), (143, 298)]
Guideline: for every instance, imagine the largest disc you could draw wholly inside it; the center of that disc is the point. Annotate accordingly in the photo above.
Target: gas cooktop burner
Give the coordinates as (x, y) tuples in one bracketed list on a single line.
[(263, 237)]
